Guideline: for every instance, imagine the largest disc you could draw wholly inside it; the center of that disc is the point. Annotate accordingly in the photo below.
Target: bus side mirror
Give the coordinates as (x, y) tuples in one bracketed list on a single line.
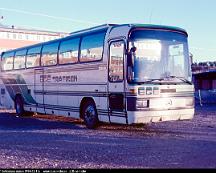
[(191, 58), (130, 58), (130, 62)]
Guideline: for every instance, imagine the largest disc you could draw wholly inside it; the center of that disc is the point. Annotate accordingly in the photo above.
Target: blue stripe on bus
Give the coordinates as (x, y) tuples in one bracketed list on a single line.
[(72, 93), (19, 88), (77, 109)]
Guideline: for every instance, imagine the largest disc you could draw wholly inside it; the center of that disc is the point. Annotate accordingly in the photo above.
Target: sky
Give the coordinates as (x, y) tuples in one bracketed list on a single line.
[(197, 17)]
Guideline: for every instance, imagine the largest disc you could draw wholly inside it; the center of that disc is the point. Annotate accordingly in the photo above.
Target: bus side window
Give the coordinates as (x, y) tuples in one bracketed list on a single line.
[(19, 59), (92, 47), (33, 57), (68, 52), (7, 61), (49, 54)]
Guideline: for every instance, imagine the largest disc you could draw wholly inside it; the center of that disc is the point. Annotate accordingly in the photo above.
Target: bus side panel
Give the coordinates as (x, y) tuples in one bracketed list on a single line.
[(50, 90), (38, 89), (82, 81), (25, 83), (6, 102), (18, 83)]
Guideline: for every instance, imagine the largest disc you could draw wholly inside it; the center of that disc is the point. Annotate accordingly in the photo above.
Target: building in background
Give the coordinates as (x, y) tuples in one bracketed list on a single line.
[(12, 37), (204, 79), (204, 75)]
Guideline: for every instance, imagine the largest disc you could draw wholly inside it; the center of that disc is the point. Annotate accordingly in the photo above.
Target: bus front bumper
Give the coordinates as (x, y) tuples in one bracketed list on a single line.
[(153, 116)]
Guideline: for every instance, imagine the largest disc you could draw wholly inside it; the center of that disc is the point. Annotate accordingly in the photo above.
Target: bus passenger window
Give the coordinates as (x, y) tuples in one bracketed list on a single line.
[(69, 51), (19, 59), (49, 54), (7, 61), (33, 57), (92, 47), (116, 61)]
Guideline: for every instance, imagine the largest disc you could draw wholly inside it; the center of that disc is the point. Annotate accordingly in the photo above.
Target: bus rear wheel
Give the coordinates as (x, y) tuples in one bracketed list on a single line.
[(19, 106), (90, 115)]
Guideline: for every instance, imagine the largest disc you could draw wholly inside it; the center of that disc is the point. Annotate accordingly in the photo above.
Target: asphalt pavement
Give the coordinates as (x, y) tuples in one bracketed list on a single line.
[(56, 142)]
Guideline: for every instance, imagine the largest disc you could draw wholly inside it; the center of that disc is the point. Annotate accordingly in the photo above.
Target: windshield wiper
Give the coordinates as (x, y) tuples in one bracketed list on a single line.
[(165, 80), (151, 80), (181, 78)]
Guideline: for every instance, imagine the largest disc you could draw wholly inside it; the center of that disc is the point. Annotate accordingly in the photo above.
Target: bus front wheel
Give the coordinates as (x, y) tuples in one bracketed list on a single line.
[(19, 106), (90, 115)]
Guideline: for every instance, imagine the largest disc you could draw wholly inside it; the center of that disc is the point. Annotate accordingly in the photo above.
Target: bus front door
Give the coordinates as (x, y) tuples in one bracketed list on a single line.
[(116, 99)]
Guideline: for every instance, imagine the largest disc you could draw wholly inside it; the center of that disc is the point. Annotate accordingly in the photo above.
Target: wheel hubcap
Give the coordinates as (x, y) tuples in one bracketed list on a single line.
[(90, 113), (18, 107)]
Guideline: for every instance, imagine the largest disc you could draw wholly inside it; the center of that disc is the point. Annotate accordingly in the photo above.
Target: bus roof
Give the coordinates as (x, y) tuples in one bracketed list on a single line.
[(104, 26), (160, 27), (131, 25), (100, 28), (152, 26)]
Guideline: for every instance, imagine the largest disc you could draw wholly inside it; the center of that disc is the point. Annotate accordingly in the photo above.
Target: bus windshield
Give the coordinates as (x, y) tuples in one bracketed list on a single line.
[(160, 56)]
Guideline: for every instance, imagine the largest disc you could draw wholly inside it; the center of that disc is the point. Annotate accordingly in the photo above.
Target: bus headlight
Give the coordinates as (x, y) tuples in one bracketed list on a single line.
[(156, 90), (142, 103), (149, 91), (141, 91)]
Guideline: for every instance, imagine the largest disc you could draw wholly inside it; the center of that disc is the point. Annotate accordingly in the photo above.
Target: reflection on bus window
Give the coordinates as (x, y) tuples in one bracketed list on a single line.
[(49, 54), (116, 61), (165, 52), (92, 47), (33, 57), (19, 59), (176, 56), (69, 51), (7, 61)]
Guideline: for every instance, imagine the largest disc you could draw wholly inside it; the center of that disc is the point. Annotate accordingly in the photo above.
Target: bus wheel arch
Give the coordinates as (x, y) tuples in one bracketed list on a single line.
[(88, 112)]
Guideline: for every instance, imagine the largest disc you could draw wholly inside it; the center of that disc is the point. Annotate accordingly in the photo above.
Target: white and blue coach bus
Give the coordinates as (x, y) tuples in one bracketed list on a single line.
[(126, 74)]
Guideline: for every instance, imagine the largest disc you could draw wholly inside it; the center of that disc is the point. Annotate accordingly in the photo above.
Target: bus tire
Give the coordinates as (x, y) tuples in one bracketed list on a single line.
[(19, 106), (90, 115)]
